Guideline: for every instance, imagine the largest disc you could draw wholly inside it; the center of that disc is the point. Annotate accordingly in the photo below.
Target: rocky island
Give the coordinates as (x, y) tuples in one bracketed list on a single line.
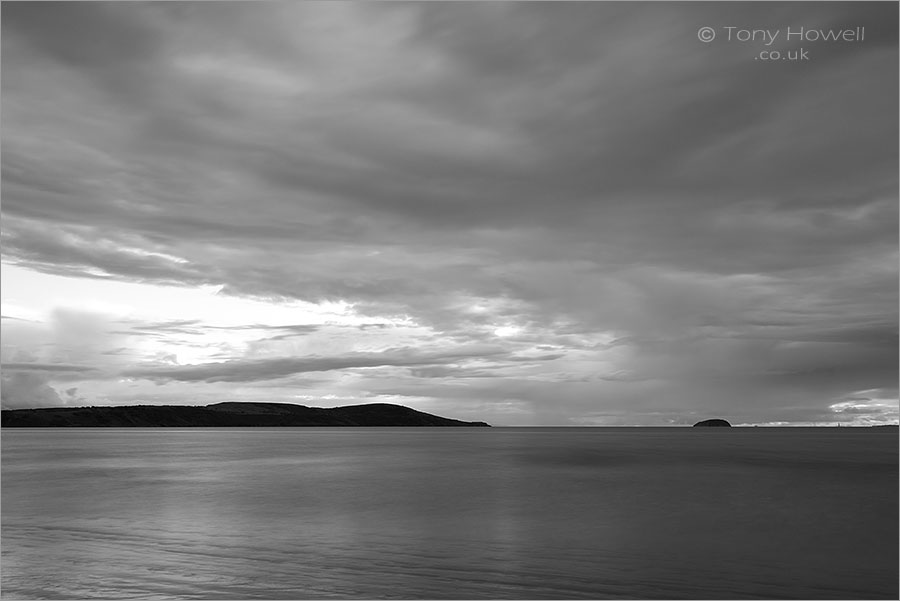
[(712, 423), (229, 414)]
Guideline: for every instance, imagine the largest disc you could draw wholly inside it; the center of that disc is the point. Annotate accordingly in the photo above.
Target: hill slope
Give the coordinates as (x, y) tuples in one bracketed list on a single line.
[(225, 414)]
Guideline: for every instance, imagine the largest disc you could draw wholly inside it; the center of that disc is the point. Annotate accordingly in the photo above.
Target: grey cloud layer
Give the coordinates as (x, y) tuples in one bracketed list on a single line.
[(249, 370), (55, 367), (577, 168)]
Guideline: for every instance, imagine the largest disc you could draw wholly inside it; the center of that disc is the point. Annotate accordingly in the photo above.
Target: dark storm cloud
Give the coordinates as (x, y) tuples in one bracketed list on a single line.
[(576, 169)]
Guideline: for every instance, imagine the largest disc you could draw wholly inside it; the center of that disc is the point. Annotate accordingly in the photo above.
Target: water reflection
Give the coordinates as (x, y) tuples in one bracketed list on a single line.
[(449, 513)]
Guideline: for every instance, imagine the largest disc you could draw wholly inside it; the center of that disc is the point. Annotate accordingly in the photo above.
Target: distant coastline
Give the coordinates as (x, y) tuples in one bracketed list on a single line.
[(229, 414)]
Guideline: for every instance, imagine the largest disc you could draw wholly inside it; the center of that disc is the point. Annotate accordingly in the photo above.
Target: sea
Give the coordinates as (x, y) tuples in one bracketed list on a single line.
[(449, 513)]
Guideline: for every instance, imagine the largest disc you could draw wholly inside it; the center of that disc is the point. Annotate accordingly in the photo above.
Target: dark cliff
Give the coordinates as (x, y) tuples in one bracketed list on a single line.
[(225, 415)]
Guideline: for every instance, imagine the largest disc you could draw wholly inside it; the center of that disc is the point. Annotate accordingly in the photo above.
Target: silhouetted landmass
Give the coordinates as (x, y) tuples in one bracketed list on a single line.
[(712, 423), (224, 415)]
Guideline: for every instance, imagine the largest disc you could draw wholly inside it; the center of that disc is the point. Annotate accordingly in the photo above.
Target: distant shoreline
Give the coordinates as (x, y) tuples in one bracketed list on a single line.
[(227, 415), (286, 415)]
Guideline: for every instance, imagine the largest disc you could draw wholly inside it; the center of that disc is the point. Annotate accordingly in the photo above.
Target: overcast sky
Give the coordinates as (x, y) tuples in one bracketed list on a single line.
[(522, 213)]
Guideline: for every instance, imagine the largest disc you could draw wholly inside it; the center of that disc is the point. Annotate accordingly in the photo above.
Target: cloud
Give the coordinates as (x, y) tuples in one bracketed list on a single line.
[(246, 370), (878, 406), (27, 389), (54, 367), (55, 345)]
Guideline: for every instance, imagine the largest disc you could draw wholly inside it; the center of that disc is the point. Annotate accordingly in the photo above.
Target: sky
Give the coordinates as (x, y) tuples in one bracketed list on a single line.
[(565, 214)]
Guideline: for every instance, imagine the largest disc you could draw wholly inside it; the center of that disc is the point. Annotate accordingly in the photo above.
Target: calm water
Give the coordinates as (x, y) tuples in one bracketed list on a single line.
[(450, 513)]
